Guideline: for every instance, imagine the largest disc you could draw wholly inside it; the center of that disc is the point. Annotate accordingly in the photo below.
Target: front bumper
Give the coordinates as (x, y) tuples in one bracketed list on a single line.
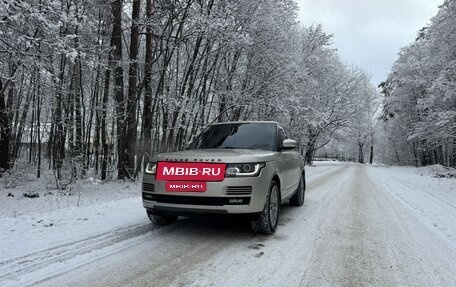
[(233, 195)]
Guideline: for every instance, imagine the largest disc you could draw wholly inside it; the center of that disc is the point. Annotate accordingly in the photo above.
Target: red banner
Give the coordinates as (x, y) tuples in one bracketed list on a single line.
[(190, 171), (186, 186)]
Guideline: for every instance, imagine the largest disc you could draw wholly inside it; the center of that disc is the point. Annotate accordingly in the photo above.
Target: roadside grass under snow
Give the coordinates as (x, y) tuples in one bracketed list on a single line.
[(22, 193)]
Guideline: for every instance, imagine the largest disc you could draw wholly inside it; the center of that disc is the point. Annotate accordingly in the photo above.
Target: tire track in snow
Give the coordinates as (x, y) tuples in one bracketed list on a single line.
[(313, 182), (15, 267), (413, 187)]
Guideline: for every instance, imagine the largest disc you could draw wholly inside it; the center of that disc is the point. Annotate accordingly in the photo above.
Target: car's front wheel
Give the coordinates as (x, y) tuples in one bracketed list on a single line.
[(161, 219), (266, 223)]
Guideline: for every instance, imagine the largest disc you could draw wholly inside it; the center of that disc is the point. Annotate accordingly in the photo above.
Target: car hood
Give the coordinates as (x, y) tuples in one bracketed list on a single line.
[(217, 155)]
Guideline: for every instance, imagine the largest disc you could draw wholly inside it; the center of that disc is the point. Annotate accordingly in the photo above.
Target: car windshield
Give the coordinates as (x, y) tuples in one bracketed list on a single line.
[(261, 136)]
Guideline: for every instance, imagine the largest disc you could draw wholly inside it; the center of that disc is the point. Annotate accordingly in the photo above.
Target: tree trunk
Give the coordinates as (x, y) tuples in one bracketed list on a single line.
[(147, 111), (104, 106), (453, 164), (371, 157), (360, 152), (38, 127), (132, 90), (95, 104), (116, 43), (5, 133), (78, 98), (310, 152)]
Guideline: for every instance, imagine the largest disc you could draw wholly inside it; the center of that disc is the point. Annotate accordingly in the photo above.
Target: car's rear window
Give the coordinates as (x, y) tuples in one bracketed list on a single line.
[(261, 136)]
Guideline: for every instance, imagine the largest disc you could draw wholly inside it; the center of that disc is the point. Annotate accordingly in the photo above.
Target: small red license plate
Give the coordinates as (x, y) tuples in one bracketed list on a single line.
[(190, 171), (185, 186)]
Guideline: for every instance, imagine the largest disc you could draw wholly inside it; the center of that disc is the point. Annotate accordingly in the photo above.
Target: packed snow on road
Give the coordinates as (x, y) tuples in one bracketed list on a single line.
[(360, 226)]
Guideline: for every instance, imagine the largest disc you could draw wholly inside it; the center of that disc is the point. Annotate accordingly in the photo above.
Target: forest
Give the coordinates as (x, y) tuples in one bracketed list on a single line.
[(419, 97), (95, 88)]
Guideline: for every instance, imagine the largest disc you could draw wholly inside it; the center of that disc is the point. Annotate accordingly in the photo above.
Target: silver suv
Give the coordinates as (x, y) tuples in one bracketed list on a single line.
[(243, 168)]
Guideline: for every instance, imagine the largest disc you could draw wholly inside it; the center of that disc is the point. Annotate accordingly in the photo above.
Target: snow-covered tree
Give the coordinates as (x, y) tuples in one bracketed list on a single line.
[(420, 98)]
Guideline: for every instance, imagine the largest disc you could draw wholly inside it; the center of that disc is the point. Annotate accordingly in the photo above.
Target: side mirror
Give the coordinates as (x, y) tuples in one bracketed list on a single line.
[(289, 144)]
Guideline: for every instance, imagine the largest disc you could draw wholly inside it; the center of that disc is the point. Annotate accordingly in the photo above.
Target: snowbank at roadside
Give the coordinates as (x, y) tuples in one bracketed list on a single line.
[(431, 198), (438, 171), (29, 196)]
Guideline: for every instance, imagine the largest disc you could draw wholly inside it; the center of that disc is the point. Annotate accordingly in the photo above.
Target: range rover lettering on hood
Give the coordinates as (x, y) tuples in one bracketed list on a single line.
[(195, 160)]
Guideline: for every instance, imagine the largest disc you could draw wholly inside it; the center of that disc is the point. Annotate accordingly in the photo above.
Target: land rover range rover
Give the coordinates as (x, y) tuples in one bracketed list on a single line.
[(246, 168)]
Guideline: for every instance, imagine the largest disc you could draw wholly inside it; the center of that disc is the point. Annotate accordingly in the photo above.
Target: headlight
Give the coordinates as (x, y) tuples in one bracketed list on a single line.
[(244, 169), (151, 168)]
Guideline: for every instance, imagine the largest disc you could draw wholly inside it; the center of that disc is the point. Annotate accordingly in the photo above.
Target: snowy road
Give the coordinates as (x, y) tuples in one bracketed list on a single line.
[(360, 226)]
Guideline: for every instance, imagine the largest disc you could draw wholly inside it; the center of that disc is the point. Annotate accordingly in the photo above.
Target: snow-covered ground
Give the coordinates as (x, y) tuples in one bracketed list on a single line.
[(360, 226)]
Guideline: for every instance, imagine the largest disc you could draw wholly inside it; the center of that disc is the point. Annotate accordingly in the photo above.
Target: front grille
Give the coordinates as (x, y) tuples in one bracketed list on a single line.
[(197, 200), (148, 187), (239, 190)]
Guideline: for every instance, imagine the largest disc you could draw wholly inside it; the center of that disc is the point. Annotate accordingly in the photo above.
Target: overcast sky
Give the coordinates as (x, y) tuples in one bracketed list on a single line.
[(369, 33)]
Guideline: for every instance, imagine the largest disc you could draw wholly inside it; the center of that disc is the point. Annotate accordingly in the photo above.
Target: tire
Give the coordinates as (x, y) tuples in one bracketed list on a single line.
[(298, 198), (161, 219), (266, 223)]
